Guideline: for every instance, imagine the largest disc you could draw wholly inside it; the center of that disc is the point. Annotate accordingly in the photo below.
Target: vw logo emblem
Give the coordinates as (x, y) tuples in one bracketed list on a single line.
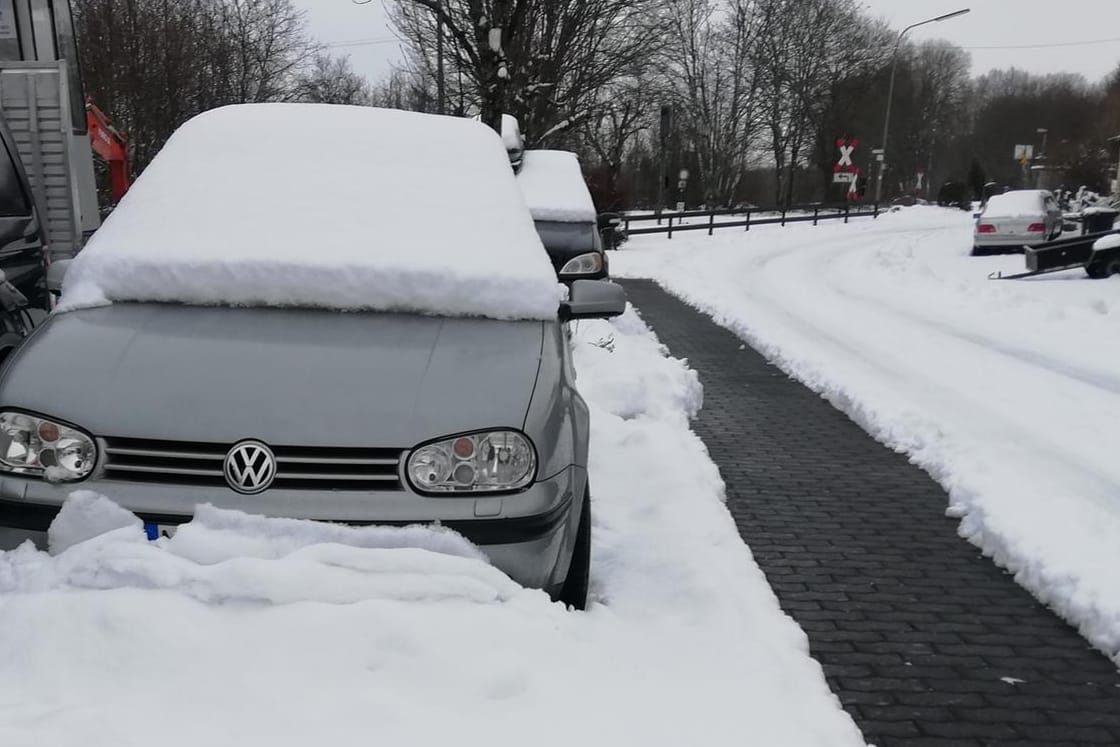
[(250, 467)]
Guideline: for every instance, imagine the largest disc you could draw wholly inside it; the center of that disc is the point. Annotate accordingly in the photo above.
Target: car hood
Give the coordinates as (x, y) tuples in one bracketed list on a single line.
[(286, 377)]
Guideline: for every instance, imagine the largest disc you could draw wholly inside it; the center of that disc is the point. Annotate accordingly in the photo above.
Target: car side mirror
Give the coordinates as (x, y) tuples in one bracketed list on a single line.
[(56, 272), (593, 299)]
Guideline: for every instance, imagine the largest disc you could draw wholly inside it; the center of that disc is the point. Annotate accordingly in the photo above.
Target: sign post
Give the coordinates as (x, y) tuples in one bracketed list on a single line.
[(1024, 154), (845, 171)]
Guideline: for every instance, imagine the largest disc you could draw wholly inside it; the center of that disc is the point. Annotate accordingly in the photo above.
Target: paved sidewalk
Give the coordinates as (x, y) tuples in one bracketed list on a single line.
[(924, 640)]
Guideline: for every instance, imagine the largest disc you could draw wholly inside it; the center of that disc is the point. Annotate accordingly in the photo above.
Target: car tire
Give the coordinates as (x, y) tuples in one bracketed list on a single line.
[(574, 591), (1111, 267), (980, 251), (1097, 271), (9, 341)]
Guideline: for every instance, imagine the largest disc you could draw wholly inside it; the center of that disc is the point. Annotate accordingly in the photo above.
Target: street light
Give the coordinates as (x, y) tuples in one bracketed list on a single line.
[(890, 92)]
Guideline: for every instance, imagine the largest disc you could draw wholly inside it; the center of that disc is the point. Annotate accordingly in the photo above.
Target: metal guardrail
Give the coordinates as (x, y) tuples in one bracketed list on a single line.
[(747, 217)]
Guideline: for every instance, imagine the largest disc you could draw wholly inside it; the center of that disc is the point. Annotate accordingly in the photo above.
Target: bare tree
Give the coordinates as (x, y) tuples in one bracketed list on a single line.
[(805, 47), (403, 89), (152, 64), (553, 60), (332, 80), (622, 115), (712, 81)]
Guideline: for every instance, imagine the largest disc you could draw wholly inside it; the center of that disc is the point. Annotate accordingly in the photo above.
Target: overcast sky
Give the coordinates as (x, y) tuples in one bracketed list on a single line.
[(997, 33)]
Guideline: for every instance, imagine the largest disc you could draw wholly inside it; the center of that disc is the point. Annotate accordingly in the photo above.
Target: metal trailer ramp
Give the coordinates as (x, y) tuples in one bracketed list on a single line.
[(1062, 254), (35, 100)]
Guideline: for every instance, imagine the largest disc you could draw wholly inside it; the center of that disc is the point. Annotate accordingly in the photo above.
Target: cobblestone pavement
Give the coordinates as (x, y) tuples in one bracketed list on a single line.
[(925, 641)]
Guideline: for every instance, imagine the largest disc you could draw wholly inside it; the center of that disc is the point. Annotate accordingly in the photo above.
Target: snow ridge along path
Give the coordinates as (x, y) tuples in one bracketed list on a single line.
[(264, 632), (1007, 393)]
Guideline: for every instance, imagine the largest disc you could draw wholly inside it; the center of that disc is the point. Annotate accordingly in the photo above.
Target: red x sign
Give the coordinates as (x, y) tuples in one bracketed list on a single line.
[(846, 149)]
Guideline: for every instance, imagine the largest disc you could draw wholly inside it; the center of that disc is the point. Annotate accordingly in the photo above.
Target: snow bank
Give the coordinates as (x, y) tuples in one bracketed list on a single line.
[(1006, 393), (228, 556), (1026, 203), (323, 206), (277, 633), (1108, 242), (554, 189)]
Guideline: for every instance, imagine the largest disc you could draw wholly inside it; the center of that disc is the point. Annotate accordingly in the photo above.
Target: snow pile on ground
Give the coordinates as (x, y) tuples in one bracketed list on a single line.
[(554, 189), (1007, 393), (227, 557), (323, 206), (265, 632)]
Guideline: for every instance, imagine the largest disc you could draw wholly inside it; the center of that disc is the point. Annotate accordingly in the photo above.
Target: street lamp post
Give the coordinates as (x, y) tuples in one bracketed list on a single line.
[(890, 93), (1040, 160)]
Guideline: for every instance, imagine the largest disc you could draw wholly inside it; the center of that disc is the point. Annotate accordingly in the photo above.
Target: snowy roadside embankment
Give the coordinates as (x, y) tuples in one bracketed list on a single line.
[(1007, 393), (241, 629)]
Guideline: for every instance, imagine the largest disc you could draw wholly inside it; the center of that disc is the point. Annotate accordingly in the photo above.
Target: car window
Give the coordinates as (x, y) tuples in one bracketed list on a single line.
[(558, 236)]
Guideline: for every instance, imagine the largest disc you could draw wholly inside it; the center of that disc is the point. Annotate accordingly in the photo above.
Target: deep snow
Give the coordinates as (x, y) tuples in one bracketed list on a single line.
[(1020, 203), (1006, 392), (554, 189), (247, 631), (340, 207)]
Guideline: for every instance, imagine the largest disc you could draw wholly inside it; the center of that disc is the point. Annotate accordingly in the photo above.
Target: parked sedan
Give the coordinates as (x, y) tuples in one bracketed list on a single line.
[(226, 343), (1013, 220)]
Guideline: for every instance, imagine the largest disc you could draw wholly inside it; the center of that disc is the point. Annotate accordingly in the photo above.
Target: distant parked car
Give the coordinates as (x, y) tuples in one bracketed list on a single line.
[(954, 194), (1013, 220), (611, 230)]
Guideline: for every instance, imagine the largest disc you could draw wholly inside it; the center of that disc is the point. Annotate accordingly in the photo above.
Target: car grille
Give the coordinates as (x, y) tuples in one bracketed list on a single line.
[(297, 467)]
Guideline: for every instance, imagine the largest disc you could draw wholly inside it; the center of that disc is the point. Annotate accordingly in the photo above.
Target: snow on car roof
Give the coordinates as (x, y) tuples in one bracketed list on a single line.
[(553, 185), (323, 206), (1023, 202)]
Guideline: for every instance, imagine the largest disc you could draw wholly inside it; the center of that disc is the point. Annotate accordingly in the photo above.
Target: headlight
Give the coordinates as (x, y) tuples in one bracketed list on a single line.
[(585, 264), (31, 445), (475, 463)]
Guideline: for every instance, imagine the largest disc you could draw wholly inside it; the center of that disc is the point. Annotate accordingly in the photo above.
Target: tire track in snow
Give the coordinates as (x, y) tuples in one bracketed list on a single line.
[(1063, 574), (829, 322), (1105, 382)]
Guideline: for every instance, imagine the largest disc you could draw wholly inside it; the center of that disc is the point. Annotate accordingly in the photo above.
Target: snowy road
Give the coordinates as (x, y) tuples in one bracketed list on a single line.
[(1007, 393)]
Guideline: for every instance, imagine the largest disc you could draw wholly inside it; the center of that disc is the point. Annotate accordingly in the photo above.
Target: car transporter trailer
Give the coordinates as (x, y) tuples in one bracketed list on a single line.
[(1070, 254)]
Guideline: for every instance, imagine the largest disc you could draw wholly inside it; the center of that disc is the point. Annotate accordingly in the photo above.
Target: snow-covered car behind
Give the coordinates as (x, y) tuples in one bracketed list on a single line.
[(301, 338), (1016, 219), (564, 213)]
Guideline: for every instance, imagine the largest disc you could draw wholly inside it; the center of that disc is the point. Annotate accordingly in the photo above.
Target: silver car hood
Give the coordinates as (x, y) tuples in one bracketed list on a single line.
[(286, 377)]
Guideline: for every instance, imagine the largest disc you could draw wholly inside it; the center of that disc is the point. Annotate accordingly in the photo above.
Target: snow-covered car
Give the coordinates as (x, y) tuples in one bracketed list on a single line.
[(1013, 220), (300, 338), (564, 213)]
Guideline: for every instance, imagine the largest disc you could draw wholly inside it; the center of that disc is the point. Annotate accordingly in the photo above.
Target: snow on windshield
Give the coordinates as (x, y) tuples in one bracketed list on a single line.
[(323, 206), (553, 185)]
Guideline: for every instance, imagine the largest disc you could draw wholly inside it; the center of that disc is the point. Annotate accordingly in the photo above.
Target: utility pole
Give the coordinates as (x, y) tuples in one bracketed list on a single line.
[(666, 126), (441, 89), (882, 156)]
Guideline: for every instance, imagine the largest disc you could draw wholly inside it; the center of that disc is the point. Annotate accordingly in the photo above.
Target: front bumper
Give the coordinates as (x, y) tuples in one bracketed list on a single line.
[(528, 535)]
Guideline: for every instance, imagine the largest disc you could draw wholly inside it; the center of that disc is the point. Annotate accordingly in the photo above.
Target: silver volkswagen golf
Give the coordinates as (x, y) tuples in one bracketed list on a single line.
[(364, 417)]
